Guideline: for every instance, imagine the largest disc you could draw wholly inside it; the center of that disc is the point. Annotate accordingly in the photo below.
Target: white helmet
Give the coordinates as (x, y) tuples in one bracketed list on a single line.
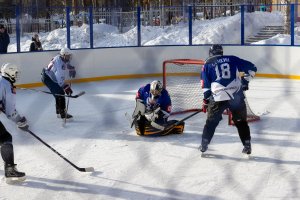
[(65, 51), (66, 54), (155, 88), (10, 71)]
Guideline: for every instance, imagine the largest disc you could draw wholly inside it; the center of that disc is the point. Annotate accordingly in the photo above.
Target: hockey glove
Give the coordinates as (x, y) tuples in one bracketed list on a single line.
[(151, 117), (205, 105), (245, 84), (72, 71), (22, 123), (67, 89)]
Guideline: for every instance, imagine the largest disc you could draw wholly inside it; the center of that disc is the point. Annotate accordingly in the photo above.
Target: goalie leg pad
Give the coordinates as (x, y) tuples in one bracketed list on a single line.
[(178, 129), (140, 125), (139, 108), (151, 131)]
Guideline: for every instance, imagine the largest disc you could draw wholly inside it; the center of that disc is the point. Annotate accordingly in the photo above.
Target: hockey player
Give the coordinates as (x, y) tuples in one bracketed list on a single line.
[(53, 76), (223, 88), (9, 73), (153, 107)]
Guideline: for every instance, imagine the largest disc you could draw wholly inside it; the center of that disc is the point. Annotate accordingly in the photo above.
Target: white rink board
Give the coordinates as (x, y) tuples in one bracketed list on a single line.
[(148, 60)]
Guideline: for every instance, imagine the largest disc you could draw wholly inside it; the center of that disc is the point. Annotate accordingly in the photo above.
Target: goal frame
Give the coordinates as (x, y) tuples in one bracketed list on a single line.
[(181, 62), (196, 62)]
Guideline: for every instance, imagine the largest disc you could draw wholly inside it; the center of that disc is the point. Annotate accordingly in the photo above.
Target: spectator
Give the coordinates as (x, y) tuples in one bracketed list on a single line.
[(250, 7), (36, 45), (4, 39)]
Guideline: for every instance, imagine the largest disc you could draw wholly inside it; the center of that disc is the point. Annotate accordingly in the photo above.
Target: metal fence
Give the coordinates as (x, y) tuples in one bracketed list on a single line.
[(26, 21)]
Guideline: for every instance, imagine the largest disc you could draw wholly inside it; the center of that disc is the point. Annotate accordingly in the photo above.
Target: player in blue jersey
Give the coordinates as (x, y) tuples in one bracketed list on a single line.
[(223, 88), (153, 107)]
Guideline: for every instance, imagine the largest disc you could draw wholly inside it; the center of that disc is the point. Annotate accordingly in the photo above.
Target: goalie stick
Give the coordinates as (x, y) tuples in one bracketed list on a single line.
[(171, 127), (82, 169), (167, 129), (46, 92)]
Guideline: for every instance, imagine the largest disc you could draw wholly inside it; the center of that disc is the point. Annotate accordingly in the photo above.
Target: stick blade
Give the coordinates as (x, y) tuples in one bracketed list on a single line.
[(87, 169), (80, 94)]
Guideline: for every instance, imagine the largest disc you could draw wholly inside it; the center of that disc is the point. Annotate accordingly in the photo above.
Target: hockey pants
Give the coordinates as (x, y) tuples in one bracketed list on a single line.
[(7, 152), (55, 89), (239, 115)]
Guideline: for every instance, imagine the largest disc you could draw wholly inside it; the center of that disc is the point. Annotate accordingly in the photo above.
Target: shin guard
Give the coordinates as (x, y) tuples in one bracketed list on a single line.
[(7, 153)]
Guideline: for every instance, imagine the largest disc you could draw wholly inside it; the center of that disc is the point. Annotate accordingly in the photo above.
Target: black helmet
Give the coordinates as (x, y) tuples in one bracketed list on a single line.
[(215, 49)]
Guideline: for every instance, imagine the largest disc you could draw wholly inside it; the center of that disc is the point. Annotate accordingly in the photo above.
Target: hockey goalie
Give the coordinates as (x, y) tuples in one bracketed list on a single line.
[(153, 108)]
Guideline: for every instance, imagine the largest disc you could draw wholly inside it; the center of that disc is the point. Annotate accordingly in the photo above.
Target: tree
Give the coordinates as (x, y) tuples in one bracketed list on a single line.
[(287, 16)]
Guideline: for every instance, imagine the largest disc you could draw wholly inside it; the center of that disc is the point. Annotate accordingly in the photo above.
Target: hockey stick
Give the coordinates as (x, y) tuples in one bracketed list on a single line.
[(168, 129), (87, 169), (67, 107), (46, 92)]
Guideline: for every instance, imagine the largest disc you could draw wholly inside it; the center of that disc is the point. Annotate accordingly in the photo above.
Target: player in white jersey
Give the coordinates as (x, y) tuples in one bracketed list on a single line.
[(53, 76), (223, 89), (9, 73)]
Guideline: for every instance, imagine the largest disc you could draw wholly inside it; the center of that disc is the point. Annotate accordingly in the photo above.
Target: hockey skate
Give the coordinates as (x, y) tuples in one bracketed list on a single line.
[(203, 147), (247, 147), (12, 175), (65, 115)]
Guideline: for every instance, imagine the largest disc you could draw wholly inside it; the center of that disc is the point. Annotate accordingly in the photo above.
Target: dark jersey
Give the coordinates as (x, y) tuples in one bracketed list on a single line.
[(221, 76), (163, 101)]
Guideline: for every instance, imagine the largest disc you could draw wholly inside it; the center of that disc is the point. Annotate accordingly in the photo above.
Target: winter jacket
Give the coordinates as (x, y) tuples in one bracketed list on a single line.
[(35, 45), (4, 41)]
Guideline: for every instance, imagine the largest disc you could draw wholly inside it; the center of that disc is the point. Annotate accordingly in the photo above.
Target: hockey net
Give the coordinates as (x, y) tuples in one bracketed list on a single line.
[(182, 79)]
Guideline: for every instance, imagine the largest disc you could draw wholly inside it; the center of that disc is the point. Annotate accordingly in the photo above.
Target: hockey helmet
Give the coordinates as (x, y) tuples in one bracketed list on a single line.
[(155, 88), (10, 71), (216, 49), (66, 54)]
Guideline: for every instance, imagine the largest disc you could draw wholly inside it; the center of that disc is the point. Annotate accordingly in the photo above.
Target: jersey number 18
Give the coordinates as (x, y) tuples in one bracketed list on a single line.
[(224, 73)]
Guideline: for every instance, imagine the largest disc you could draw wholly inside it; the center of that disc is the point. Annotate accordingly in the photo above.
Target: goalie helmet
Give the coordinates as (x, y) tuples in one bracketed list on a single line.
[(155, 88), (216, 49), (66, 54), (10, 71)]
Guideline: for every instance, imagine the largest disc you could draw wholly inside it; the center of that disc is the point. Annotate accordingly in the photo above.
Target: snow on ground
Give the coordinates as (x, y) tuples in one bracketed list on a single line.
[(223, 30), (131, 167)]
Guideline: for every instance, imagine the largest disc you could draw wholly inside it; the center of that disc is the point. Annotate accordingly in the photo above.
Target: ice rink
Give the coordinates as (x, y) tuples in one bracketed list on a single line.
[(138, 168)]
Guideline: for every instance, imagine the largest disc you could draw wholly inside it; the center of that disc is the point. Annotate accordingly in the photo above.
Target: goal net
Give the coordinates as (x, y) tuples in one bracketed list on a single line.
[(182, 79)]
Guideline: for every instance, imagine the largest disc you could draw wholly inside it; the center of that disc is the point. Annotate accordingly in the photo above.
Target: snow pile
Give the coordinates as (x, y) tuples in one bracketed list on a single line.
[(224, 30)]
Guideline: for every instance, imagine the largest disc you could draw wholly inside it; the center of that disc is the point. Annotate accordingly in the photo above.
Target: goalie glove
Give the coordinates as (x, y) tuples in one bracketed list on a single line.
[(152, 116)]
